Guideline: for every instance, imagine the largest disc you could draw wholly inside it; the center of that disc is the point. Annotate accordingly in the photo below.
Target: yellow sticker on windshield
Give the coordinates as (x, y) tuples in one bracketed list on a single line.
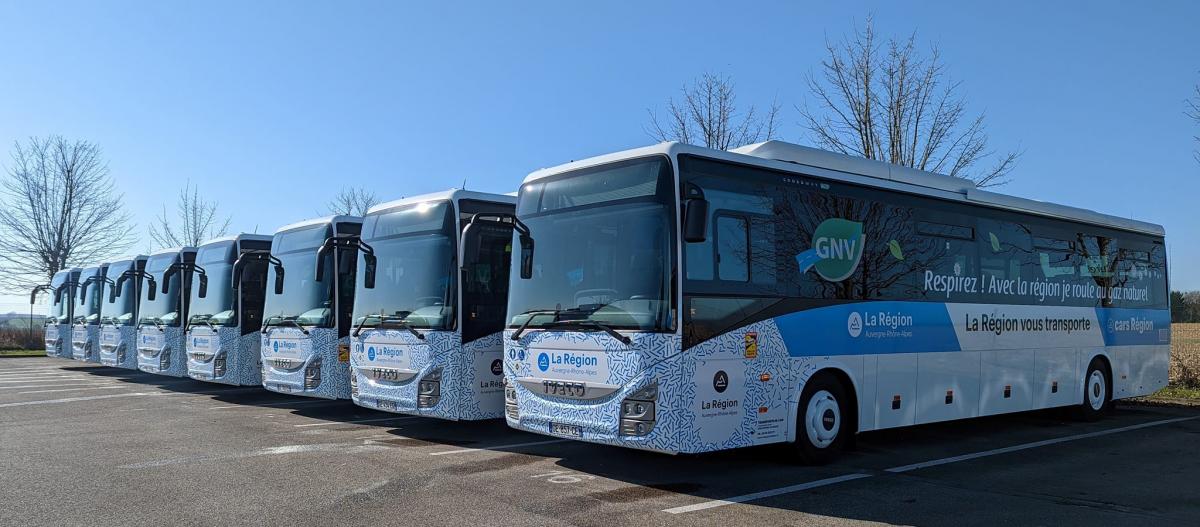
[(343, 353), (751, 344)]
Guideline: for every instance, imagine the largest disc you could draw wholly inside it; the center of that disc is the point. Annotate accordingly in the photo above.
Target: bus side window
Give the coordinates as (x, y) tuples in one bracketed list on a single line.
[(1005, 251), (733, 242), (951, 259)]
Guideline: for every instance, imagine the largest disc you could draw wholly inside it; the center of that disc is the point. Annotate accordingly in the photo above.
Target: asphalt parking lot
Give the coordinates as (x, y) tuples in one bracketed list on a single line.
[(88, 445)]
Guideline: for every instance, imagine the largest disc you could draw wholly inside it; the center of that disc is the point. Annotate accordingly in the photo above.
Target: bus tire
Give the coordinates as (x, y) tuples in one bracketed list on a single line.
[(822, 426), (1097, 391)]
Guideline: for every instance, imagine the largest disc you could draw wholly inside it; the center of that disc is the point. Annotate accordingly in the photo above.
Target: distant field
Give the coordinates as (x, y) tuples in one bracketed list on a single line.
[(1185, 355)]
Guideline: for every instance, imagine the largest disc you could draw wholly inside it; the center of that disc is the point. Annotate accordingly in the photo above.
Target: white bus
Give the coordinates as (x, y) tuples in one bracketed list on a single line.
[(426, 338), (222, 334), (85, 327), (119, 314), (306, 316), (161, 313), (62, 308), (681, 299)]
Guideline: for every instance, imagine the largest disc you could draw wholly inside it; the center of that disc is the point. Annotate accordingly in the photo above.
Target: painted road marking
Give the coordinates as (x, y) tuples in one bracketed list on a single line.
[(44, 385), (285, 403), (342, 448), (75, 399), (332, 423), (1036, 444), (75, 389), (35, 379), (497, 447), (915, 466)]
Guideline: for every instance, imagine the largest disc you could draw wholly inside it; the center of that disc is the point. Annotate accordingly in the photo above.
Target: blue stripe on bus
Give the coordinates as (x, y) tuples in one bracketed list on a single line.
[(921, 327), (885, 327), (1133, 327)]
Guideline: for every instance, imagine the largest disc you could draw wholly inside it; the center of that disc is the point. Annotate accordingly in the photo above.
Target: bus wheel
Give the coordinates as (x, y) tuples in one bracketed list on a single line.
[(1097, 394), (821, 430)]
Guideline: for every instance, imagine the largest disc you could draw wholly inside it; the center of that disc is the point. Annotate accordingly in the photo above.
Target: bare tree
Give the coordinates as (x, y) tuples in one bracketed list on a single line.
[(708, 115), (1193, 111), (196, 220), (58, 208), (889, 102), (353, 201)]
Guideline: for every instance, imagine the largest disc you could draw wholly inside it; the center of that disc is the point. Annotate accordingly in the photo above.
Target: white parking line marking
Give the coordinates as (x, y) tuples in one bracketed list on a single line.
[(286, 403), (34, 379), (32, 384), (75, 389), (7, 374), (332, 423), (342, 448), (915, 466), (766, 494), (1035, 444), (497, 447), (74, 399)]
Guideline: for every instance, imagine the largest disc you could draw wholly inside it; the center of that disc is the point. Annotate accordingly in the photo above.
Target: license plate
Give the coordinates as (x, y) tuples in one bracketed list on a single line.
[(387, 406), (564, 388), (566, 430)]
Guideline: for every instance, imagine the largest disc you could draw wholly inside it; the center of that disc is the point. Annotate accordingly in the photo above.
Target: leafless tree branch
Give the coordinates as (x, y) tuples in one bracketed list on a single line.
[(707, 114), (195, 221), (58, 208), (890, 102), (1193, 110), (354, 201)]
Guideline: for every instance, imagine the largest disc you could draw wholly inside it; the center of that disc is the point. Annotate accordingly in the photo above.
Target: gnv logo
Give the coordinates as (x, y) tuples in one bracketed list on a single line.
[(371, 353), (543, 362), (854, 324), (837, 249)]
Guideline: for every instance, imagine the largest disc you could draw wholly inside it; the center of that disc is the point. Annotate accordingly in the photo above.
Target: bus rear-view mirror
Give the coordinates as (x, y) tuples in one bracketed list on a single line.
[(695, 219)]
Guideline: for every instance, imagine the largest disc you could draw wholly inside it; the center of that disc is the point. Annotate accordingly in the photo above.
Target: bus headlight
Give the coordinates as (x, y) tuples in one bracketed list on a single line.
[(429, 389), (353, 382), (312, 375), (219, 366), (164, 360), (638, 411)]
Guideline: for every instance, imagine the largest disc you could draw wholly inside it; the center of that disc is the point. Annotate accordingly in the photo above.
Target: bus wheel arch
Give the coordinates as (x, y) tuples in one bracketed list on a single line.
[(1097, 379), (826, 416)]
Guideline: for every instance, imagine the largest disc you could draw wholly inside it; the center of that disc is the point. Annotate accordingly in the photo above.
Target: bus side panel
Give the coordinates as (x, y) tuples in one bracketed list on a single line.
[(1056, 378), (896, 390), (1148, 367), (1007, 381), (949, 386)]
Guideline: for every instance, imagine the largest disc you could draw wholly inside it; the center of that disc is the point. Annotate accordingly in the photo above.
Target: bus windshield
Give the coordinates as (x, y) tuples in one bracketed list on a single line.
[(217, 307), (304, 300), (414, 281), (604, 240), (89, 297), (164, 309), (119, 311), (58, 301)]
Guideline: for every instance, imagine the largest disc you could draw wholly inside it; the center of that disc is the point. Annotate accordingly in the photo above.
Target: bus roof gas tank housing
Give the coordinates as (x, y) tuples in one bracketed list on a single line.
[(912, 178)]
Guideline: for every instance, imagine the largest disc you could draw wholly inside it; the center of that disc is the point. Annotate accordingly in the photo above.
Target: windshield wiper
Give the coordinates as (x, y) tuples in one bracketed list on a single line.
[(201, 319), (386, 322), (589, 324), (284, 322), (156, 321), (533, 314)]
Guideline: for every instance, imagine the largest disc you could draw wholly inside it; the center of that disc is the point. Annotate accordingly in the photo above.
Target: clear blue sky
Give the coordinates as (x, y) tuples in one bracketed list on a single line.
[(276, 105)]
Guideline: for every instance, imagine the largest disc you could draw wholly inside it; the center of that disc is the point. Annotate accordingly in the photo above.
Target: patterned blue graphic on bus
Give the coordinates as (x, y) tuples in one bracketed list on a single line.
[(299, 364)]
